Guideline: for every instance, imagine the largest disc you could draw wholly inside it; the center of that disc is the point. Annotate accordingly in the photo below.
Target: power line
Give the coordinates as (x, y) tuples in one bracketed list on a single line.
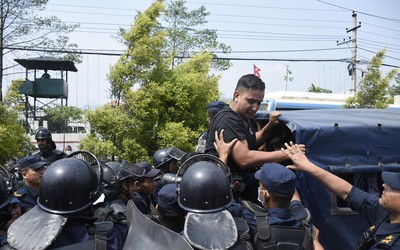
[(286, 51), (374, 52), (380, 35), (364, 13), (382, 27), (264, 7), (119, 54)]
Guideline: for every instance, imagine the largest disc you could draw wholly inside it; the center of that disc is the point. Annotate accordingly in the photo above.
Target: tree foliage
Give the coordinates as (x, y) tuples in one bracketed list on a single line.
[(144, 56), (395, 89), (13, 140), (59, 116), (186, 36), (158, 105), (374, 88), (22, 27), (317, 89), (288, 76)]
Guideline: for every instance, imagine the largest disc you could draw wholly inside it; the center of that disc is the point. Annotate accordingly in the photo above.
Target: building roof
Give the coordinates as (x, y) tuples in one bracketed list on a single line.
[(49, 63)]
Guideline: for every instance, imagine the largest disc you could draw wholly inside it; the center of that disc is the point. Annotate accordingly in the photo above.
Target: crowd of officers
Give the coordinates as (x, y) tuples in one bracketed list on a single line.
[(235, 192)]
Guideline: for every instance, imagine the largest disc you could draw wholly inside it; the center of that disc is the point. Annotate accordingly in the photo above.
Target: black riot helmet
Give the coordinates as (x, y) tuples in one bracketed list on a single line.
[(129, 170), (204, 185), (114, 165), (164, 155), (43, 134), (8, 185), (109, 176), (68, 187)]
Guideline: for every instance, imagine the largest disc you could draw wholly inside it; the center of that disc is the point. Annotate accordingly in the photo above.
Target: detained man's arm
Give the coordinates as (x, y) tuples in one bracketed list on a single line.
[(223, 149), (334, 183), (263, 132), (254, 159)]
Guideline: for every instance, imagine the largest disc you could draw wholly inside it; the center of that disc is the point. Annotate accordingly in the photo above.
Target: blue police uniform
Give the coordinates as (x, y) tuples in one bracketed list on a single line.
[(52, 156), (142, 202), (27, 197), (276, 216), (367, 205)]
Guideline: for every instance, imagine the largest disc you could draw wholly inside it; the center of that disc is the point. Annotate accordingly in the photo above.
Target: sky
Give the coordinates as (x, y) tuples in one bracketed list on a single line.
[(273, 35)]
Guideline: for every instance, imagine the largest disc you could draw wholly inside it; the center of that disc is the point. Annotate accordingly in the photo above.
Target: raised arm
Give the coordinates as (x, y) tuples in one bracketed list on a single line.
[(263, 132), (223, 149), (334, 183)]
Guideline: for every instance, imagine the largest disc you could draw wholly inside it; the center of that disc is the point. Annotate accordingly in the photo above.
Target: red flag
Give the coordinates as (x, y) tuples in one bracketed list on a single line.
[(256, 71)]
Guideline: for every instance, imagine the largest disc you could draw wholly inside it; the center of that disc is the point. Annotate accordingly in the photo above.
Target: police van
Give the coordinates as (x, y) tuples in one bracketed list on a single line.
[(354, 144), (297, 100)]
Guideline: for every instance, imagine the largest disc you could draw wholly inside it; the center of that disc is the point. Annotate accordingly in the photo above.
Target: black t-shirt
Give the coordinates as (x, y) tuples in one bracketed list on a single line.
[(234, 126)]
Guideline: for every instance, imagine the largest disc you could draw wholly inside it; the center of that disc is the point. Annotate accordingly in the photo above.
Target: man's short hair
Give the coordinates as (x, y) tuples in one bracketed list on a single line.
[(250, 81)]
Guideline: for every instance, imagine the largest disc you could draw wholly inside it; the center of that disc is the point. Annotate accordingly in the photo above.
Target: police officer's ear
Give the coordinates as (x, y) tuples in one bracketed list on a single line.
[(24, 171), (265, 197), (137, 185)]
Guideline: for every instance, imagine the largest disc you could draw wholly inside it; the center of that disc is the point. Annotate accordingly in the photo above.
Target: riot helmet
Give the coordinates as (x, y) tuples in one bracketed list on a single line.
[(204, 185), (69, 186), (164, 155), (129, 170), (8, 185), (109, 176), (115, 166), (43, 134), (110, 181)]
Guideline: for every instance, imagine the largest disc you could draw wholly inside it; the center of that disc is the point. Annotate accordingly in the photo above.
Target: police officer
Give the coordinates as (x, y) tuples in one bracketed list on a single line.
[(9, 206), (285, 221), (382, 213), (64, 215), (167, 159), (204, 191), (32, 169), (119, 189), (170, 214), (145, 187), (47, 149), (212, 110)]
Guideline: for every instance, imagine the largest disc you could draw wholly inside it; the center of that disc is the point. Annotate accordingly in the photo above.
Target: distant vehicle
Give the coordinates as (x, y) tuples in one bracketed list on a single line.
[(355, 144), (293, 100)]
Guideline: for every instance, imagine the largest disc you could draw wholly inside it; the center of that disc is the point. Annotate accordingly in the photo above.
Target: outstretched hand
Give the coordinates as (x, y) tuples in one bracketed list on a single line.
[(296, 154), (223, 149)]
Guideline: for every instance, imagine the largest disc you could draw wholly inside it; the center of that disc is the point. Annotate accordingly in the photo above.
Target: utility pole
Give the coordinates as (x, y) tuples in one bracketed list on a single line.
[(353, 66)]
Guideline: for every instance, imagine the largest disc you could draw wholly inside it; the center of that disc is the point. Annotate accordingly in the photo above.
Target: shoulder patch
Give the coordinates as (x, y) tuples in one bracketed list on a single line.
[(19, 193), (389, 240)]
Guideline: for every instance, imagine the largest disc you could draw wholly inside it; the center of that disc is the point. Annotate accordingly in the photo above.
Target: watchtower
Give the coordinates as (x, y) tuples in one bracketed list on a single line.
[(45, 89)]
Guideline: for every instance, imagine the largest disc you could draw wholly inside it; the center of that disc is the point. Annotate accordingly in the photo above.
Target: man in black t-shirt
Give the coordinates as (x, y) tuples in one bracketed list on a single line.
[(236, 120)]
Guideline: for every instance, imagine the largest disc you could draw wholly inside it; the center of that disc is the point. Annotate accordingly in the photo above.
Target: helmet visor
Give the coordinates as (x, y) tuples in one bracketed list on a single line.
[(176, 153)]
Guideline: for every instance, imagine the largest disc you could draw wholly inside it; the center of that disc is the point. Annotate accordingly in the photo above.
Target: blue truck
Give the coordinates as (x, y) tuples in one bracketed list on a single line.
[(355, 144)]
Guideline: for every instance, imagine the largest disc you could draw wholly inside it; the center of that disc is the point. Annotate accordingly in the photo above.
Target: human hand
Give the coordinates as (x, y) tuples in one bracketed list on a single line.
[(223, 149), (273, 118), (296, 153)]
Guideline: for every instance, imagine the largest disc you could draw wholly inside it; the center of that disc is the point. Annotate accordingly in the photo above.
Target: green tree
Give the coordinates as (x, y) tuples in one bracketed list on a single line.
[(395, 89), (59, 116), (144, 57), (168, 106), (288, 76), (185, 36), (317, 89), (374, 89), (13, 140), (110, 127), (22, 27)]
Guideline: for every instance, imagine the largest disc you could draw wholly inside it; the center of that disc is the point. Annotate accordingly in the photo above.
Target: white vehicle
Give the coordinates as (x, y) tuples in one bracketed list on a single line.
[(293, 100)]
